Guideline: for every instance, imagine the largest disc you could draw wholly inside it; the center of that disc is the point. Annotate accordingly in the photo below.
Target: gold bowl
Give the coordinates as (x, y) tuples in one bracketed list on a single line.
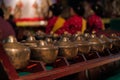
[(107, 41), (44, 52), (96, 43), (115, 39), (83, 45), (67, 48), (19, 54)]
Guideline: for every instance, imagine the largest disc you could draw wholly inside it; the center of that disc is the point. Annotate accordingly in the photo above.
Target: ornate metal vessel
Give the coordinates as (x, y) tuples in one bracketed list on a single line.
[(86, 36), (116, 40), (19, 55), (30, 41), (96, 43), (44, 52), (83, 44), (49, 40), (40, 35), (67, 48), (107, 41)]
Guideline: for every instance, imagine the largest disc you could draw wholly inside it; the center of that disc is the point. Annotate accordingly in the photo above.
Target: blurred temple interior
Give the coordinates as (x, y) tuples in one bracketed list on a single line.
[(59, 39)]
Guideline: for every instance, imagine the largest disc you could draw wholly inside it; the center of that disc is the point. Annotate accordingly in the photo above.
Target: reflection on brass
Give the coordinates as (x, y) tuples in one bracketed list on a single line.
[(67, 48), (107, 41), (49, 40), (69, 53), (44, 52), (40, 35), (115, 39), (74, 36), (96, 43), (83, 44), (86, 36), (31, 41), (19, 55)]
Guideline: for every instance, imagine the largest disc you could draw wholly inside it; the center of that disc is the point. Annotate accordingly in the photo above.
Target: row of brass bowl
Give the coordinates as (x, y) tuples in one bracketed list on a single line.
[(93, 43), (41, 50), (47, 51), (44, 51)]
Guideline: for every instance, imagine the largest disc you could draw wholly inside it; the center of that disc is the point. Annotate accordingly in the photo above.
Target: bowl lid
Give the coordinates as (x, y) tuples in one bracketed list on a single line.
[(13, 43), (81, 41), (65, 42), (95, 40), (114, 37), (43, 45), (105, 38)]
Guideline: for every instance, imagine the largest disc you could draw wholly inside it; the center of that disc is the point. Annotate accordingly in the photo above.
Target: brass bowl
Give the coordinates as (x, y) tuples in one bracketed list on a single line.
[(83, 45), (84, 48), (96, 43), (40, 35), (30, 41), (98, 47), (107, 41), (115, 39), (68, 52), (67, 48), (49, 40), (19, 55), (44, 52), (86, 36)]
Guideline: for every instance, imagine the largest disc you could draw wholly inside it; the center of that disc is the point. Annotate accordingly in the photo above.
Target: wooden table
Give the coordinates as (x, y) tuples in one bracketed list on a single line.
[(71, 69), (55, 73)]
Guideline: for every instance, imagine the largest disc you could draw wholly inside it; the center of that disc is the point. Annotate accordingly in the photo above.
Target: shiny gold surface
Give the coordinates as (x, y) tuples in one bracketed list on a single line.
[(87, 36), (96, 43), (107, 41), (83, 44), (31, 41), (46, 53), (67, 48), (69, 52), (19, 55), (116, 40), (49, 40)]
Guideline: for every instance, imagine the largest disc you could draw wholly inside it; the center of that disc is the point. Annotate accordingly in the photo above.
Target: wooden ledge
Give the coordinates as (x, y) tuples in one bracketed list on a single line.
[(74, 68)]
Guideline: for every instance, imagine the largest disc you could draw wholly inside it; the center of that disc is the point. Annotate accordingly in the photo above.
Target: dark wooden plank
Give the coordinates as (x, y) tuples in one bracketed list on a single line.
[(10, 70), (78, 67)]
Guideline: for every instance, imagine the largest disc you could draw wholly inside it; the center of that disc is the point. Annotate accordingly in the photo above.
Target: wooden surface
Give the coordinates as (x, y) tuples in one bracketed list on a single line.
[(71, 69), (10, 70), (56, 73)]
